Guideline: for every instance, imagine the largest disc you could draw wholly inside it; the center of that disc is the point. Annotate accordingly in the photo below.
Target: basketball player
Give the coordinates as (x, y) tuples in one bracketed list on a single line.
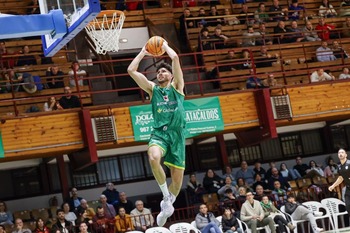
[(167, 139), (344, 175)]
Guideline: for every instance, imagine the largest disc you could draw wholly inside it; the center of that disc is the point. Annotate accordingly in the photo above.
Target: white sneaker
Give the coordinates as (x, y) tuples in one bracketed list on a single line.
[(318, 230), (167, 210)]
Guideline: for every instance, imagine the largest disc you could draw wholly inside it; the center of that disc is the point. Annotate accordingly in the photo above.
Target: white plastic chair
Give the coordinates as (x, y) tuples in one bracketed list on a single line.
[(332, 204), (134, 232), (183, 227), (317, 206), (243, 225), (158, 230), (294, 222)]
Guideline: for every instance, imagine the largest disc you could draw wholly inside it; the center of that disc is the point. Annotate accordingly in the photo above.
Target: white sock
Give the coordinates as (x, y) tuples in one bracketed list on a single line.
[(173, 198), (164, 189)]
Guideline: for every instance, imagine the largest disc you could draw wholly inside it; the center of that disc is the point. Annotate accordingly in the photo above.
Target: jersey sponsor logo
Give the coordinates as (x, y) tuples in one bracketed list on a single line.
[(166, 103), (166, 110)]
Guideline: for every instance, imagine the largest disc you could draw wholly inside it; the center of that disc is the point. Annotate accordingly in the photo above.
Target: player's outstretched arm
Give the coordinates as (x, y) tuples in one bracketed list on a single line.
[(139, 78), (336, 183), (177, 71)]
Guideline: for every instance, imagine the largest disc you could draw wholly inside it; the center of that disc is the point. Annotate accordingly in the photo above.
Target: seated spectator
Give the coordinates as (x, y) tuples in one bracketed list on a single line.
[(324, 29), (249, 37), (228, 172), (19, 82), (62, 225), (111, 194), (277, 13), (338, 51), (324, 53), (26, 59), (214, 12), (69, 101), (265, 59), (124, 202), (282, 30), (19, 228), (259, 192), (246, 60), (79, 73), (295, 11), (68, 215), (275, 176), (55, 77), (102, 223), (212, 182), (265, 38), (246, 173), (229, 67), (345, 74), (84, 212), (301, 167), (319, 76), (123, 221), (74, 200), (287, 174), (201, 23), (228, 185), (220, 38), (279, 194), (326, 10), (6, 61), (297, 35), (229, 200), (253, 214), (185, 24), (245, 17), (108, 208), (258, 169), (242, 183), (141, 217), (40, 226), (331, 169), (83, 227), (5, 215), (259, 182), (229, 222), (254, 82), (314, 166), (300, 212), (271, 211), (52, 104), (242, 194), (206, 221), (194, 190), (230, 19), (272, 165), (270, 81), (309, 32), (344, 8), (346, 27), (33, 8), (203, 44), (260, 14)]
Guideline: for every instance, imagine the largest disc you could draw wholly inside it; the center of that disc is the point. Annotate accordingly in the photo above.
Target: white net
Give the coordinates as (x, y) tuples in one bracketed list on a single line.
[(104, 31)]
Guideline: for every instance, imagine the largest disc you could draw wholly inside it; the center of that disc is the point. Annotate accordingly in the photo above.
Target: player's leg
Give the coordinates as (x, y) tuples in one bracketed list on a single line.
[(177, 176), (154, 157)]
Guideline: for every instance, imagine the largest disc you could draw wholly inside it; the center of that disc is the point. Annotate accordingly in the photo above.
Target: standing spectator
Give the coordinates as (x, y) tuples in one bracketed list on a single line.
[(310, 33), (74, 200), (123, 221), (142, 218), (324, 29), (246, 173), (19, 228), (324, 53), (40, 226), (345, 74), (344, 8), (301, 167), (62, 225), (326, 10), (5, 215), (108, 208), (26, 59), (206, 221), (212, 182), (316, 76), (331, 169), (265, 38), (125, 203), (81, 74), (111, 193), (315, 167), (260, 15), (253, 214), (338, 51), (52, 104), (68, 215), (229, 222), (295, 11), (101, 223), (194, 190), (54, 77), (69, 101), (184, 25)]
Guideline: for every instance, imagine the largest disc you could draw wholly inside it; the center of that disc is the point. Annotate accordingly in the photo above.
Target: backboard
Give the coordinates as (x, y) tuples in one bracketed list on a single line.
[(77, 13)]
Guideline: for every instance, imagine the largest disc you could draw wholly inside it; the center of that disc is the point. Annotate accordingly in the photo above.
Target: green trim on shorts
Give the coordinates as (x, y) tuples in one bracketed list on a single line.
[(154, 144), (173, 165)]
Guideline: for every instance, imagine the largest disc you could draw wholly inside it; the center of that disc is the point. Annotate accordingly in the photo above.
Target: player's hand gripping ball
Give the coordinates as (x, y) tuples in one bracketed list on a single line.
[(154, 46)]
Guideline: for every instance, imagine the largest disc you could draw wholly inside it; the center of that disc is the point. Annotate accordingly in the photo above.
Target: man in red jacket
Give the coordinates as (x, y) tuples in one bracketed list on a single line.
[(324, 29)]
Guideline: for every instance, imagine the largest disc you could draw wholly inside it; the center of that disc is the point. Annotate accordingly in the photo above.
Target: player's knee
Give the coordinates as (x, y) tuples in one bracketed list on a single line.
[(154, 153)]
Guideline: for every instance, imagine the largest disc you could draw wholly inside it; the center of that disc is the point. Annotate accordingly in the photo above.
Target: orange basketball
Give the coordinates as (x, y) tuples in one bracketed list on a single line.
[(154, 46)]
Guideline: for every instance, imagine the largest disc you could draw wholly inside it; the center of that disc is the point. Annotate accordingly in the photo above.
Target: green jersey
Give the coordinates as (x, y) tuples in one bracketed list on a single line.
[(167, 108)]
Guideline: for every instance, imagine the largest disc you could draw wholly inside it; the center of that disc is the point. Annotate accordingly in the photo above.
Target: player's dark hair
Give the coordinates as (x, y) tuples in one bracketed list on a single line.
[(166, 66)]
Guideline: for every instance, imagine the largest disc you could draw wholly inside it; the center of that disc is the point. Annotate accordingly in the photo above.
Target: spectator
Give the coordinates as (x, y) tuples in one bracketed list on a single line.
[(344, 8), (259, 182), (229, 222), (202, 23), (244, 15), (81, 74), (246, 173), (266, 59), (318, 76), (301, 167), (83, 228), (270, 81), (185, 24), (246, 60), (324, 29), (62, 225), (142, 218), (253, 214), (346, 27), (74, 200), (297, 35), (282, 30), (111, 194), (84, 212), (212, 182), (272, 165), (216, 21), (316, 167), (228, 185), (326, 10), (26, 59), (101, 223), (230, 19), (295, 11), (324, 53), (52, 104), (108, 208), (242, 194), (258, 169), (123, 221), (5, 215), (242, 183), (2, 229), (345, 74), (259, 192), (194, 190), (33, 8), (331, 169), (12, 80), (125, 203), (68, 215), (271, 211), (40, 226), (19, 228), (279, 194), (203, 43), (287, 174), (229, 173), (275, 176), (6, 61), (229, 67), (229, 200), (310, 33), (300, 212), (260, 14), (54, 77), (220, 39), (253, 82), (338, 51), (250, 37), (277, 13), (69, 101), (206, 221), (264, 38)]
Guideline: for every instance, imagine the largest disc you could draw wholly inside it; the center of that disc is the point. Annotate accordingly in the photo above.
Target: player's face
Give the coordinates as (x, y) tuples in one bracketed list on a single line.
[(342, 154), (163, 76)]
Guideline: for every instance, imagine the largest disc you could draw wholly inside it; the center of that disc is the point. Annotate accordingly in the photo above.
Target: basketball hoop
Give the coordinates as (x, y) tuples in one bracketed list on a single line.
[(105, 30)]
